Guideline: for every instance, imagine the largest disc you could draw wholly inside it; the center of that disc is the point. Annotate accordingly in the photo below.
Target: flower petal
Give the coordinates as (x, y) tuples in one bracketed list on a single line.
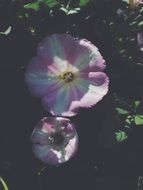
[(58, 102), (86, 57), (81, 53), (51, 47), (98, 87), (91, 89), (85, 93), (56, 49), (71, 149), (40, 79), (45, 154)]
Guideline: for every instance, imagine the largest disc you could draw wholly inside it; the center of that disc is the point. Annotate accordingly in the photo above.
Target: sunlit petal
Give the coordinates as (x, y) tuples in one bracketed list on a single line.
[(67, 74)]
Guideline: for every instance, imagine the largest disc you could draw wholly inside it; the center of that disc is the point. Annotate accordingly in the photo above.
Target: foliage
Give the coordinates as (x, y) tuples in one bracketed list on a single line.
[(5, 187), (35, 6), (69, 11), (51, 3), (131, 113), (121, 136), (83, 2), (140, 183), (6, 32)]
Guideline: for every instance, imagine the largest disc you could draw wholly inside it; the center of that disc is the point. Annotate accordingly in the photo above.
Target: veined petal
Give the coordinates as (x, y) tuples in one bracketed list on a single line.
[(39, 79), (51, 47), (85, 93), (40, 138), (58, 101), (57, 49), (91, 88), (71, 149), (97, 89), (65, 101), (81, 53), (45, 154), (87, 58)]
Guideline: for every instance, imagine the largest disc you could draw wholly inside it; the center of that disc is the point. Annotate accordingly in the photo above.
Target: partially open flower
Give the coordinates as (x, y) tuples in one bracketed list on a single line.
[(67, 74), (54, 140)]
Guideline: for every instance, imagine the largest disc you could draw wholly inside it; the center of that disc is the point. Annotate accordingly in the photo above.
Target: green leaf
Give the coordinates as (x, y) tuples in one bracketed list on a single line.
[(141, 10), (128, 121), (65, 10), (122, 111), (51, 3), (35, 6), (133, 23), (121, 51), (127, 126), (140, 24), (3, 183), (127, 1), (6, 32), (137, 103), (73, 11), (140, 183), (139, 119), (121, 136), (83, 2), (68, 11)]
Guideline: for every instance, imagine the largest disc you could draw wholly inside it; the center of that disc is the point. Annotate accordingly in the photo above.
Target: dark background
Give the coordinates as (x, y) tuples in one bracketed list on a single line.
[(100, 163)]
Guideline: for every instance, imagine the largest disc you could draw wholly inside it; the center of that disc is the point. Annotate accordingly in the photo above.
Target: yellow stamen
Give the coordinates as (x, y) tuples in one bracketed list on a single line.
[(67, 76)]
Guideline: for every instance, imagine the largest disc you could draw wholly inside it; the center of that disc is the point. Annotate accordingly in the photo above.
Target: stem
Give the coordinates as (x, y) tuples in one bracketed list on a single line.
[(3, 183), (39, 182), (132, 3), (68, 24), (67, 18), (39, 177), (68, 4), (41, 171)]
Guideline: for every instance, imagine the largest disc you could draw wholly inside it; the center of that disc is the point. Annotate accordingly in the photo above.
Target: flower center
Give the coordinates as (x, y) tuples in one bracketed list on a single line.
[(56, 138), (67, 77)]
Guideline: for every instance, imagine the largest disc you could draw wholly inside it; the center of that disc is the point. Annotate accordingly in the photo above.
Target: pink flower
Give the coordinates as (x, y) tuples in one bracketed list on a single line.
[(54, 140), (67, 74)]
